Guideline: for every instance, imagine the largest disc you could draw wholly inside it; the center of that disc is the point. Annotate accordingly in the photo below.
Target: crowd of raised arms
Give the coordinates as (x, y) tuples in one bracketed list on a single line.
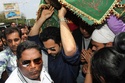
[(74, 52)]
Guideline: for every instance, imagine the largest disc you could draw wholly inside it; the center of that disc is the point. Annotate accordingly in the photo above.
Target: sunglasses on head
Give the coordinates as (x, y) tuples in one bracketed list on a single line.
[(51, 49), (36, 61)]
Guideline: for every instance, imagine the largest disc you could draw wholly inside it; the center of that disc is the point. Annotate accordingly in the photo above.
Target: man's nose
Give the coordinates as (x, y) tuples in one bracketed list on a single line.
[(93, 48), (32, 64), (13, 42), (49, 51), (25, 35)]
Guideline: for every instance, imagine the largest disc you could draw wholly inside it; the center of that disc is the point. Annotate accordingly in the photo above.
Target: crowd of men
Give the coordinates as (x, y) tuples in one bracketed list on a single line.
[(58, 55)]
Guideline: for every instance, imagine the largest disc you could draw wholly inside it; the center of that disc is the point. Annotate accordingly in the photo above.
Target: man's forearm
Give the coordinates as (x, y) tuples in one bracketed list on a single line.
[(68, 41), (36, 28)]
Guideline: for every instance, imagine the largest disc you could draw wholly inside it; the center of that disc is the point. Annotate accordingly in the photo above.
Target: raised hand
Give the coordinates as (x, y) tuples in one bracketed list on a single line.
[(46, 13), (62, 12)]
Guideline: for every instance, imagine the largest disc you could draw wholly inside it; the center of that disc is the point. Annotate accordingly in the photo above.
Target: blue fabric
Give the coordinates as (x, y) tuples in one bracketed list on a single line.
[(63, 69), (7, 61), (36, 39)]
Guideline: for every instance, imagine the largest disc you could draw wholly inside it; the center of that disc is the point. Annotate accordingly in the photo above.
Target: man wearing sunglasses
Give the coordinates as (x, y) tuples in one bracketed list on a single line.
[(60, 47), (29, 65)]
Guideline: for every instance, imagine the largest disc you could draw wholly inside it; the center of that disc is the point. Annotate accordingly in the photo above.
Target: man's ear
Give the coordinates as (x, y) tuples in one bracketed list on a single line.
[(110, 44)]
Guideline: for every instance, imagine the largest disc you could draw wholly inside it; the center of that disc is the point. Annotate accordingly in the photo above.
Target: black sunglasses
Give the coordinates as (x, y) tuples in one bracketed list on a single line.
[(51, 49), (37, 61)]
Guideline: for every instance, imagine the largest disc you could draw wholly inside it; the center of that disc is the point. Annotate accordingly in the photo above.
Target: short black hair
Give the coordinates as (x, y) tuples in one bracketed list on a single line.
[(87, 27), (27, 45), (11, 30), (51, 33)]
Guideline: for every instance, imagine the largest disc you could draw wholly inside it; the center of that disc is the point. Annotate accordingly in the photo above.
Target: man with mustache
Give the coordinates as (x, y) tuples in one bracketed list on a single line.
[(8, 56), (59, 45), (30, 65)]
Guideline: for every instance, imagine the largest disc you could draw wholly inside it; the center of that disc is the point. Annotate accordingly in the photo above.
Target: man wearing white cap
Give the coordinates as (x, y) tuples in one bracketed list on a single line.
[(102, 37)]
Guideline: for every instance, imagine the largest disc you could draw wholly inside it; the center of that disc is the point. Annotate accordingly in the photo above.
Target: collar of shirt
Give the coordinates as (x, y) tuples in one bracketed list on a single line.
[(44, 77)]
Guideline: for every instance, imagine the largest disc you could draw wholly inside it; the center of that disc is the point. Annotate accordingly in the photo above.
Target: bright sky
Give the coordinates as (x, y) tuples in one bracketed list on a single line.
[(27, 7)]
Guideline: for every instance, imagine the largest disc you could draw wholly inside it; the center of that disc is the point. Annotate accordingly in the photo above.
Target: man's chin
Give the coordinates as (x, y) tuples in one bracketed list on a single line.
[(1, 46), (36, 77), (53, 54), (24, 39), (13, 50)]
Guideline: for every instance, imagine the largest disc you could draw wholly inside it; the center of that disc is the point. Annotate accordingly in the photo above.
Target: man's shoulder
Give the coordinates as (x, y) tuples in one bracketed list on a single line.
[(13, 78), (33, 37), (45, 75), (76, 32), (5, 54)]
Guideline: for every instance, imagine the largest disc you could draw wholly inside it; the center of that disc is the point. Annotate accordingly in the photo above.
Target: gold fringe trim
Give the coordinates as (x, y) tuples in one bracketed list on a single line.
[(79, 13)]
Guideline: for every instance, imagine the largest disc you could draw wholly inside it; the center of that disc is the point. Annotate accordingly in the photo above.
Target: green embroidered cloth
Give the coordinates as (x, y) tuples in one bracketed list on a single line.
[(91, 11), (53, 21)]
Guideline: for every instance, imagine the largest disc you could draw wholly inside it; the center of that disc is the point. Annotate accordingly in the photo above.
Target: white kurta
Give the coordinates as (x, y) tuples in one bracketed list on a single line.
[(14, 78)]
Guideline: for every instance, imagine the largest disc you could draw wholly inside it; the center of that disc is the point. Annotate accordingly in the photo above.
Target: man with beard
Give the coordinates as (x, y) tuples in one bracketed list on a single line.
[(59, 45), (101, 38), (82, 36), (8, 56)]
